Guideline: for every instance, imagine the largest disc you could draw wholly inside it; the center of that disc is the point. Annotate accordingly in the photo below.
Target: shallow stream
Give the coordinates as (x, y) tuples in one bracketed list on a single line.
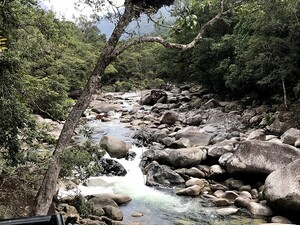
[(158, 206)]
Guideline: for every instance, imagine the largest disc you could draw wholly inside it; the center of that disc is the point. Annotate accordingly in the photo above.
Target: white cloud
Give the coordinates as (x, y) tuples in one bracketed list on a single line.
[(67, 8)]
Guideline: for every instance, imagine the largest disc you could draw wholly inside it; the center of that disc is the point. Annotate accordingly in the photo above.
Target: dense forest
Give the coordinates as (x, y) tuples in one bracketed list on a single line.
[(252, 51)]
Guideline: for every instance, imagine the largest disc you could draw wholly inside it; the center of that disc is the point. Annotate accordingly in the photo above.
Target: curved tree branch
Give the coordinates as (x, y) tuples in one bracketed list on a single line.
[(167, 44)]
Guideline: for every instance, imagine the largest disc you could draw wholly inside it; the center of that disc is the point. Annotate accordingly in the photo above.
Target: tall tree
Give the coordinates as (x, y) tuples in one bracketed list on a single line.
[(132, 10)]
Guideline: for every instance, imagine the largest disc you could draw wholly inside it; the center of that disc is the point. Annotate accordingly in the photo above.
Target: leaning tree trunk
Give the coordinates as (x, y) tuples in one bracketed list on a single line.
[(110, 52), (48, 187)]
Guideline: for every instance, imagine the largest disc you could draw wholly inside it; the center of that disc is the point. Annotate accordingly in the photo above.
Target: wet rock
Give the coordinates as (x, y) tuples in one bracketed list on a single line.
[(235, 184), (180, 143), (195, 136), (259, 209), (290, 136), (258, 134), (242, 202), (112, 167), (192, 191), (115, 147), (282, 188), (155, 96), (102, 107), (280, 219), (216, 171), (113, 212), (221, 148), (222, 202), (162, 175), (227, 211), (231, 195), (245, 194), (102, 200), (194, 120), (196, 181), (187, 157), (219, 193), (194, 172), (260, 157), (160, 156), (169, 117)]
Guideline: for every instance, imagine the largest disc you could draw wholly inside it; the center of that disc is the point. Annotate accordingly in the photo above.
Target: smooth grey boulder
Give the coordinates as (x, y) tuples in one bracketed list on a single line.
[(161, 175), (259, 209), (195, 136), (221, 148), (115, 147), (290, 136), (155, 96), (261, 157), (282, 188), (192, 191), (187, 157)]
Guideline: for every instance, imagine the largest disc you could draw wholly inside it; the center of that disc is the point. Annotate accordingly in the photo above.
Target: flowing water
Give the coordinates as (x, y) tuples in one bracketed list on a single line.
[(158, 206)]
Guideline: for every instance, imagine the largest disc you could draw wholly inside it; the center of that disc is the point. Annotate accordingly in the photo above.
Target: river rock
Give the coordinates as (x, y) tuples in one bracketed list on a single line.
[(196, 181), (195, 136), (282, 188), (242, 202), (155, 96), (102, 200), (113, 212), (221, 148), (160, 156), (195, 172), (192, 191), (222, 202), (162, 175), (112, 167), (290, 136), (187, 157), (180, 143), (194, 120), (103, 107), (169, 117), (261, 157), (259, 209), (227, 211), (280, 219), (115, 147)]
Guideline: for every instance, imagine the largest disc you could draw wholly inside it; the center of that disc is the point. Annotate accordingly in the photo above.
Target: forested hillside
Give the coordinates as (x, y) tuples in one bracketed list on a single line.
[(252, 50)]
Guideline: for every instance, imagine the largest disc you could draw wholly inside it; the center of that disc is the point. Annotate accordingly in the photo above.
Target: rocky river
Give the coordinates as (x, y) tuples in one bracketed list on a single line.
[(182, 157)]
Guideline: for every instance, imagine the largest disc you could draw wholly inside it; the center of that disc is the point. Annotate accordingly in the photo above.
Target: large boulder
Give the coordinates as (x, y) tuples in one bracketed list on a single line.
[(195, 136), (155, 96), (282, 188), (103, 107), (290, 136), (187, 157), (112, 167), (260, 157), (161, 175), (115, 147)]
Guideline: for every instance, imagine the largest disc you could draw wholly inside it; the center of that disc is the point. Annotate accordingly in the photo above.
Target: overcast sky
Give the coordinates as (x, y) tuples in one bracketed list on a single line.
[(67, 8)]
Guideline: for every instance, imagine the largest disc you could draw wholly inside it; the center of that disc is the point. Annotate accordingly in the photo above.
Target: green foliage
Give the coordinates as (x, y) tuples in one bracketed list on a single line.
[(81, 161), (83, 206)]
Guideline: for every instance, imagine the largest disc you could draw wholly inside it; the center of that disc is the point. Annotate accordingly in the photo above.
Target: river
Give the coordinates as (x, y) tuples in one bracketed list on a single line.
[(157, 206)]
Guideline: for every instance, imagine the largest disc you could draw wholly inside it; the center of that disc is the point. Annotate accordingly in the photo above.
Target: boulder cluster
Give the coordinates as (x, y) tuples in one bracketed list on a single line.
[(239, 154)]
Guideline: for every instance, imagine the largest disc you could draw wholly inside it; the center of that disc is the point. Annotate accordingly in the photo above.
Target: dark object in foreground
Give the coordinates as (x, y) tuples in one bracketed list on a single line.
[(39, 220)]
